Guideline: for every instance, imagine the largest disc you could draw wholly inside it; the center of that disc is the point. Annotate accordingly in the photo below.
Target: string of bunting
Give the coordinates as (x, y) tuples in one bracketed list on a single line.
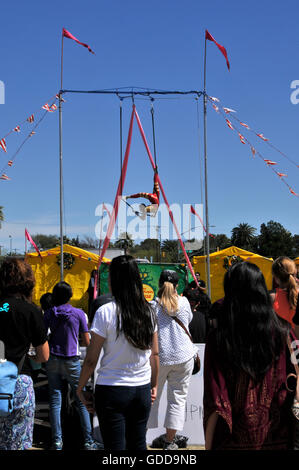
[(31, 119), (215, 102)]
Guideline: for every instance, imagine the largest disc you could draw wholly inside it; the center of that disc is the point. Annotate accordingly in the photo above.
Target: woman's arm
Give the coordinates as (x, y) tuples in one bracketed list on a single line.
[(154, 361), (210, 429), (42, 353), (91, 359)]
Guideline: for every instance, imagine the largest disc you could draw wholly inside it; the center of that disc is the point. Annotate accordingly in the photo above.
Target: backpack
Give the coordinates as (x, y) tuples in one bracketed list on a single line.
[(8, 379)]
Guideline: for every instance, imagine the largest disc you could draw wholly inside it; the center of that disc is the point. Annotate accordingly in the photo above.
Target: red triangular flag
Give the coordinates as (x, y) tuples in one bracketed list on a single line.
[(3, 145), (29, 238), (195, 213), (221, 48), (293, 192), (67, 34), (4, 177)]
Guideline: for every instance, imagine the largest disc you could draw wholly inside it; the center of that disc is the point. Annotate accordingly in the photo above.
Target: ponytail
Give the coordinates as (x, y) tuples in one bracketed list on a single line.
[(168, 298), (283, 269), (292, 292)]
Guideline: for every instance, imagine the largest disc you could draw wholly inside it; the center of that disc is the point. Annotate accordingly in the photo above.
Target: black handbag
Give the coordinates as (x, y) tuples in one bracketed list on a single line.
[(196, 367)]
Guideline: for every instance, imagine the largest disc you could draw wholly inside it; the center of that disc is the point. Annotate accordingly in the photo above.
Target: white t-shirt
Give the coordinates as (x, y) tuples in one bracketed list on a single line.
[(175, 346), (121, 363)]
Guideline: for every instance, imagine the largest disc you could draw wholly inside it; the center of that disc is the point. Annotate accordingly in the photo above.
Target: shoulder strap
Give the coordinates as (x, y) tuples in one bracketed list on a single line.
[(183, 326), (180, 323), (21, 363)]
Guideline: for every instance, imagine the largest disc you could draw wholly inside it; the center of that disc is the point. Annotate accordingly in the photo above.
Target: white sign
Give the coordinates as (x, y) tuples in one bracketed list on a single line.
[(193, 427)]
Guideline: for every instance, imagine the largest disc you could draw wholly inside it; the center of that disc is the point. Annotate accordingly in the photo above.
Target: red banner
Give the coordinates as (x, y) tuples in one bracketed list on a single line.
[(67, 34), (221, 48)]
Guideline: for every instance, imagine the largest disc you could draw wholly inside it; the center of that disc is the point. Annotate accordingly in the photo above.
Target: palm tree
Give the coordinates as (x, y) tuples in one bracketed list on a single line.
[(124, 242), (243, 235)]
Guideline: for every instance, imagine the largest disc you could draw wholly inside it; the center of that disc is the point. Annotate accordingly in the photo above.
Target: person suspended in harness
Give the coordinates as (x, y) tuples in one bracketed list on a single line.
[(153, 198)]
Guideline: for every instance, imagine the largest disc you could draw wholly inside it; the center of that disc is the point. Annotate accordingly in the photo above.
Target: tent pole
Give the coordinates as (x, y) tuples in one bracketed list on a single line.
[(206, 176), (60, 169)]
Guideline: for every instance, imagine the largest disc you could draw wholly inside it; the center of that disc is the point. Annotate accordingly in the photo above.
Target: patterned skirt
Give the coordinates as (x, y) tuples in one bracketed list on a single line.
[(16, 430)]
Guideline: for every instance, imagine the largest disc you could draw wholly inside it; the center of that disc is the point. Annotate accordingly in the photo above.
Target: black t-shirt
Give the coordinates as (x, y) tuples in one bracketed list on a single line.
[(198, 327), (21, 324), (97, 303)]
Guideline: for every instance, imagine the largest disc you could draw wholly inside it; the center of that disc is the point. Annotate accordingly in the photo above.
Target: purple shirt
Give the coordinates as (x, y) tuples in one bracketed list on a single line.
[(66, 323)]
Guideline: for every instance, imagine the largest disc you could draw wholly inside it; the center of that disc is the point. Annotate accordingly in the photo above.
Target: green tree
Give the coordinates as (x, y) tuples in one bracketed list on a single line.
[(170, 251), (220, 241), (149, 248), (243, 236), (124, 242), (44, 242), (275, 240), (295, 246)]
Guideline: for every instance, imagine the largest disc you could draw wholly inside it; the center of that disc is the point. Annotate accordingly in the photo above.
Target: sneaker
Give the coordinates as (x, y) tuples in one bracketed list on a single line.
[(57, 445), (94, 445), (170, 446)]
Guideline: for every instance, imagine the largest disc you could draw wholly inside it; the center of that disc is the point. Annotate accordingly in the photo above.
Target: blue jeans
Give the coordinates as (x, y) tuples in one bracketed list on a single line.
[(59, 369), (123, 413)]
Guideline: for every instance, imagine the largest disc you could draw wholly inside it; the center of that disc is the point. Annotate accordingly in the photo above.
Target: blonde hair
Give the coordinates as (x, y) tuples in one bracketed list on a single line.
[(168, 298), (283, 269)]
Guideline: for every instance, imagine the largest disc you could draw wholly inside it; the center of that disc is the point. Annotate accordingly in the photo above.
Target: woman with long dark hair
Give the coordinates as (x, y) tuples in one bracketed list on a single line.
[(246, 403), (127, 378), (21, 325)]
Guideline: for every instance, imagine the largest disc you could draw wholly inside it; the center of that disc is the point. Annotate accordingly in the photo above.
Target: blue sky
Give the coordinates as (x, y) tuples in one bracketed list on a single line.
[(155, 45)]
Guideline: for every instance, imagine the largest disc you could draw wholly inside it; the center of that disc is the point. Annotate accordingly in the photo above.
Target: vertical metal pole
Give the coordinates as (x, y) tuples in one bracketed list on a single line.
[(60, 169), (206, 176)]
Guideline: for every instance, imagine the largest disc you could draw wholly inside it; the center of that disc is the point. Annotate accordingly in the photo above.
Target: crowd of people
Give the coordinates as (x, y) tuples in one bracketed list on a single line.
[(135, 348)]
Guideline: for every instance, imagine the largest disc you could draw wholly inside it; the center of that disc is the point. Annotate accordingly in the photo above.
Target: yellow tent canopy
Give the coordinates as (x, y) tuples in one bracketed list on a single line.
[(221, 260), (47, 272)]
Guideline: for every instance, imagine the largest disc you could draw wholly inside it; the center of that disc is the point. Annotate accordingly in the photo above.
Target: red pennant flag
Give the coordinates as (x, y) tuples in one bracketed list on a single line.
[(253, 151), (30, 118), (4, 177), (193, 211), (17, 129), (269, 162), (228, 110), (10, 162), (244, 125), (242, 138), (67, 34), (3, 144), (29, 238), (262, 137), (293, 192), (221, 48), (46, 107), (229, 124), (57, 96), (280, 174)]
